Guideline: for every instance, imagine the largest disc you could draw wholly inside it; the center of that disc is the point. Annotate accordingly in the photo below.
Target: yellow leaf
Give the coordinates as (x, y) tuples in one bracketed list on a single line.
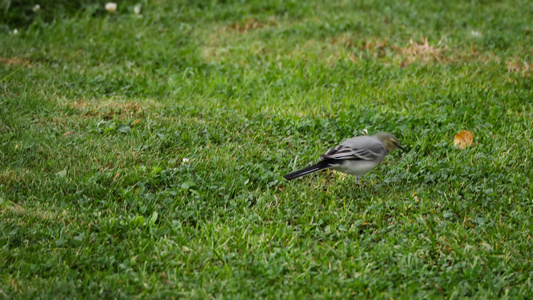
[(463, 139)]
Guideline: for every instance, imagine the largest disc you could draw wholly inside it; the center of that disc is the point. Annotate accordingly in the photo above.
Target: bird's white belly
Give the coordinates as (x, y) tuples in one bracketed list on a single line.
[(356, 167)]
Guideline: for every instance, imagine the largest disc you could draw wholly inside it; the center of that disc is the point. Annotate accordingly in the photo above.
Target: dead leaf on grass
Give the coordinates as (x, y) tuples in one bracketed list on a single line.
[(463, 139)]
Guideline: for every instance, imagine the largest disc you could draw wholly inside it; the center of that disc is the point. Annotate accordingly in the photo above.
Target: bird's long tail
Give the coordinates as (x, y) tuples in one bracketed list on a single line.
[(324, 164)]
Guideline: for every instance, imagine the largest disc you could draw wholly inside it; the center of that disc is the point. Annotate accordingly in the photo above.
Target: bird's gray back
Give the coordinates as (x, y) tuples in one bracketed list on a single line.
[(366, 142), (361, 147)]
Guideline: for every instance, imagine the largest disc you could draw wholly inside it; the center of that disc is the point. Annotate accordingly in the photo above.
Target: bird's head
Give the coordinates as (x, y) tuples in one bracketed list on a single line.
[(389, 140)]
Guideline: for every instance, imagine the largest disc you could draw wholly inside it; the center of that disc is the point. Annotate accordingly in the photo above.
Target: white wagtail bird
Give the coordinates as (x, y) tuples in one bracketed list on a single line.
[(355, 156)]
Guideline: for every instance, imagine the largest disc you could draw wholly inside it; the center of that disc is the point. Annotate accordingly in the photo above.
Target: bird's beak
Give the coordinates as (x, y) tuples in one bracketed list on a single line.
[(400, 147)]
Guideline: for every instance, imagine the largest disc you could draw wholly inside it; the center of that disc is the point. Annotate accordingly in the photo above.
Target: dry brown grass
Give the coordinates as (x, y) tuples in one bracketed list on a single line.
[(247, 26), (346, 47), (330, 50), (20, 215), (14, 61), (223, 41), (109, 109), (519, 65), (422, 52), (8, 176), (415, 52), (216, 49)]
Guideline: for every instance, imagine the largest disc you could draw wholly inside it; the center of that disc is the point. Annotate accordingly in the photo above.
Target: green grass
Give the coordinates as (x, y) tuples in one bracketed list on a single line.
[(143, 156)]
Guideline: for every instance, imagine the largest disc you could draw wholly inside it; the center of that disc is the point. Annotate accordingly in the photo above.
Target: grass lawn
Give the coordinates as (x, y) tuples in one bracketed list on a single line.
[(143, 155)]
